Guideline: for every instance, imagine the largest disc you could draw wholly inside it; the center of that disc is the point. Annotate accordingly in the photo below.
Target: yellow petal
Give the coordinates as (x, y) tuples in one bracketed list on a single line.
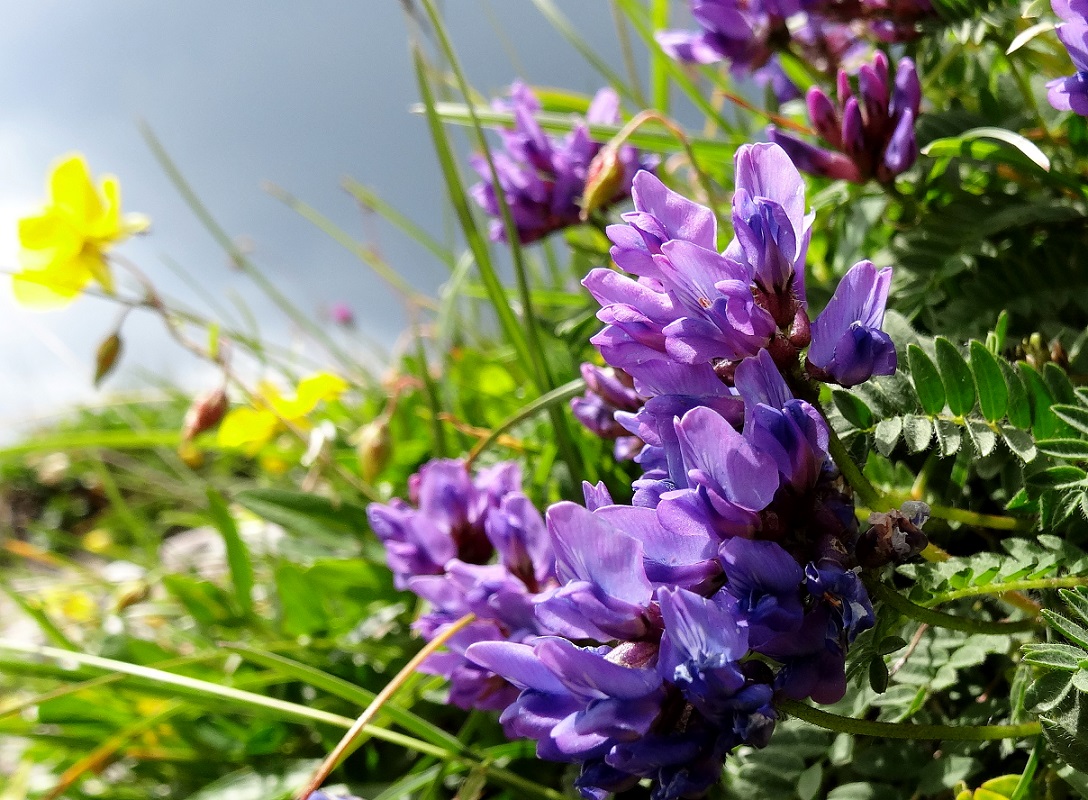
[(95, 263), (106, 226), (72, 192), (311, 391), (247, 428), (54, 287), (48, 237)]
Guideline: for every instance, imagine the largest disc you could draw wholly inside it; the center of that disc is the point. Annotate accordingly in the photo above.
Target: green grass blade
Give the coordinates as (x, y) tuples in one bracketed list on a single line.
[(214, 694), (84, 440), (348, 691), (549, 400), (648, 137), (371, 201), (365, 254), (243, 262), (532, 334), (473, 235), (544, 379), (697, 96), (238, 561), (37, 613), (659, 70)]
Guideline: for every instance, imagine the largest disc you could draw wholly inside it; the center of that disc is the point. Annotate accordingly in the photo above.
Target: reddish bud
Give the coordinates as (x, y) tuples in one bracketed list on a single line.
[(205, 413)]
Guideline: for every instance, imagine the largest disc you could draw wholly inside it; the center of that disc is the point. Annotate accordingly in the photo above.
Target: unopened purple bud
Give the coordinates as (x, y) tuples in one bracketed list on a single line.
[(908, 90), (853, 133), (873, 85), (815, 160), (842, 84), (824, 117), (902, 149)]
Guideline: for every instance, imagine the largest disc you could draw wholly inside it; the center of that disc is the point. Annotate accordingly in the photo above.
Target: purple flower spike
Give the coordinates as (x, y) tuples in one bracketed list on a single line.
[(440, 551), (1071, 93), (848, 346), (870, 135), (450, 520), (543, 178)]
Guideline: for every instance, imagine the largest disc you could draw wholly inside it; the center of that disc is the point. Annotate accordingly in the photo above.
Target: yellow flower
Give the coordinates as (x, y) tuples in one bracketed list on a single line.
[(64, 247), (252, 428)]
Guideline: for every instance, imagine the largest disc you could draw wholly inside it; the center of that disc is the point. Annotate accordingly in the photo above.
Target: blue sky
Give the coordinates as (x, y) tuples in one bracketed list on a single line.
[(298, 94)]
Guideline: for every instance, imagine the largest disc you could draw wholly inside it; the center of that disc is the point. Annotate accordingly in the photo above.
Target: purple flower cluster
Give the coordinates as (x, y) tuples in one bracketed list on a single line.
[(649, 640), (869, 137), (748, 33), (543, 177), (608, 392), (691, 314), (440, 547), (1071, 93)]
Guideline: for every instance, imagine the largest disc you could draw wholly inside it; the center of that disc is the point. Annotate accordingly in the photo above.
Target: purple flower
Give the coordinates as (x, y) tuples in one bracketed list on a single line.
[(734, 477), (608, 391), (813, 665), (733, 30), (763, 588), (449, 521), (604, 593), (871, 136), (848, 346), (577, 702), (1071, 93), (852, 611), (341, 314), (542, 177), (701, 650), (440, 551), (792, 431), (660, 215), (772, 230)]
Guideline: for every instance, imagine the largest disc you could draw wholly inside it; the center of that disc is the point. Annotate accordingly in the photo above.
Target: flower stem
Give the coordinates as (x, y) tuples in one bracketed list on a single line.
[(341, 750), (891, 730), (1066, 582), (940, 619), (866, 492)]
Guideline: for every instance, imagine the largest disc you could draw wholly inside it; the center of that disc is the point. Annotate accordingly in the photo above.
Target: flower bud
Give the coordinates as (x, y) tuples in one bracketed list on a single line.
[(105, 358), (603, 181), (374, 446), (205, 413)]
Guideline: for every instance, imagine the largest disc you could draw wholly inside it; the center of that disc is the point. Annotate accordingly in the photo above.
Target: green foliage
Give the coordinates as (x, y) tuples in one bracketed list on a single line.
[(1060, 694)]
